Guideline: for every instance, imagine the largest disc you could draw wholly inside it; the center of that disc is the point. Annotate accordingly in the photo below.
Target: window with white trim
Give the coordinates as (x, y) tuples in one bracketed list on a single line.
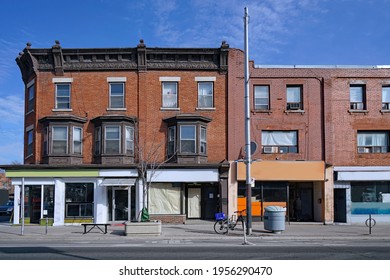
[(294, 97), (129, 140), (357, 95), (112, 139), (117, 95), (77, 140), (188, 139), (386, 97), (60, 139), (203, 140), (205, 94), (169, 94), (373, 142), (279, 142), (261, 97), (62, 96)]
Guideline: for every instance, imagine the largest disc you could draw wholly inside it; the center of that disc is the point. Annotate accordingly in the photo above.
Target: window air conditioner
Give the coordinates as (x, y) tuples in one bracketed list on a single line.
[(270, 150), (362, 150)]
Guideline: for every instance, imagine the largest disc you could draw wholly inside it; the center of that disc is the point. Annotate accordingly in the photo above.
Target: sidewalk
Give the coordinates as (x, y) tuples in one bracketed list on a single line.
[(196, 230)]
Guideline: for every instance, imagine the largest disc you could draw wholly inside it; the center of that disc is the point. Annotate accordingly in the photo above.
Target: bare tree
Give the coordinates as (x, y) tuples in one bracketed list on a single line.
[(150, 158)]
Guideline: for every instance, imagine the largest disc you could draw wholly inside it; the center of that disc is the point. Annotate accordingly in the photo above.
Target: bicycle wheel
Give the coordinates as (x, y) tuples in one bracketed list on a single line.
[(221, 227)]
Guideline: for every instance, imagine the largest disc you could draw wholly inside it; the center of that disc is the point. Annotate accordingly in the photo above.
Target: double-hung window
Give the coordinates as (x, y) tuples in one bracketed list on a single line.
[(205, 94), (117, 95), (373, 141), (386, 97), (77, 140), (60, 139), (171, 140), (169, 95), (129, 140), (112, 139), (31, 97), (62, 96), (30, 142), (279, 141), (357, 95), (188, 139), (261, 97), (203, 140), (294, 97)]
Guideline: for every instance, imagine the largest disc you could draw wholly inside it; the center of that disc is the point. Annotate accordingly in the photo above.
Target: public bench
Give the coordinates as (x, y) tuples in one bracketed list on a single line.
[(93, 225)]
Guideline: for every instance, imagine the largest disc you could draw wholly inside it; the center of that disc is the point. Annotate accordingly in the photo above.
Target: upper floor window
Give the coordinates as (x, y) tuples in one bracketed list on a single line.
[(30, 142), (60, 140), (294, 97), (77, 140), (373, 141), (205, 94), (386, 97), (169, 95), (357, 95), (30, 98), (189, 144), (279, 141), (62, 96), (261, 97), (188, 139), (117, 95), (114, 139)]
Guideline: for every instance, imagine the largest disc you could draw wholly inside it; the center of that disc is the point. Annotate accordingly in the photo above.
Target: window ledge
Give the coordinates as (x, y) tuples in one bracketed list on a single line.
[(351, 111), (294, 112), (205, 108), (269, 112), (169, 109), (116, 109), (61, 110), (384, 111)]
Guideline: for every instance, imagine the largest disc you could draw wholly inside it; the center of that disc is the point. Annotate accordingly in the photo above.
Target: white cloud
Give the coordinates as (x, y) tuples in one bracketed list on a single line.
[(11, 109)]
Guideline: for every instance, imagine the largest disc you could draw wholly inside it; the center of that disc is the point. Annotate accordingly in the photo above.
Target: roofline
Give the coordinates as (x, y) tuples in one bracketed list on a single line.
[(323, 66)]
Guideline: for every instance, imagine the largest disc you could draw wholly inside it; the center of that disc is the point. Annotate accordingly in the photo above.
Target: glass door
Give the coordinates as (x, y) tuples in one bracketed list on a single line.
[(121, 204), (118, 204)]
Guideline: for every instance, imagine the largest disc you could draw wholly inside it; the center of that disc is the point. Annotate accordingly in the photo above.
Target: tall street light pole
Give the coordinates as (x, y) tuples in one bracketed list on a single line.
[(248, 159)]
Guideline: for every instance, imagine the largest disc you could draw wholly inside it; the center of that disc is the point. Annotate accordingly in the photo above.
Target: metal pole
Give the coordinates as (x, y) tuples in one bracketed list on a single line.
[(22, 207), (247, 131)]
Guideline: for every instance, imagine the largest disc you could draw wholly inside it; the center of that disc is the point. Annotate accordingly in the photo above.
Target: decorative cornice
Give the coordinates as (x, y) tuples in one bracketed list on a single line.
[(141, 58)]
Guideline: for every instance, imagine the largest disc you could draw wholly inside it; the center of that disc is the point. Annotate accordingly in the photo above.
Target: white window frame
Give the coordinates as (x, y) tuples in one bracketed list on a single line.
[(292, 102), (203, 140), (188, 139), (386, 97), (257, 95), (119, 139), (202, 96), (279, 141), (129, 141), (115, 95), (69, 96), (357, 99), (80, 141), (53, 139), (166, 95)]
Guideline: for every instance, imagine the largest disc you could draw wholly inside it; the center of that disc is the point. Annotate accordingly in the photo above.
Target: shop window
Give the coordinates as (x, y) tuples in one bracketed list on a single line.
[(79, 200), (370, 197)]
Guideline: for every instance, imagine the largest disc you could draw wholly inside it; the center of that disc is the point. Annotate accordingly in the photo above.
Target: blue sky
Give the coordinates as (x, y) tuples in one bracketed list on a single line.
[(309, 32)]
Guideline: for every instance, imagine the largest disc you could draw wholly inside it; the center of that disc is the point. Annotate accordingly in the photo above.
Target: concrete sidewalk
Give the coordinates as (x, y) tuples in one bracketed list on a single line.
[(196, 230)]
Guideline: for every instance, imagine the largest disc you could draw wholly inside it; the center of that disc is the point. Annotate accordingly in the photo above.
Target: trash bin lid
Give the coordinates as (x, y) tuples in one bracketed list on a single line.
[(275, 209)]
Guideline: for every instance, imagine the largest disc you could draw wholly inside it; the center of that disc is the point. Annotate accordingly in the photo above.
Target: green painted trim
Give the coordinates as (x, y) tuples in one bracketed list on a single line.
[(52, 173)]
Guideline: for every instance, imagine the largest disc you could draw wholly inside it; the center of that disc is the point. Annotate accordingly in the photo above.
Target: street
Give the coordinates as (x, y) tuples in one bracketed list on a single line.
[(199, 250)]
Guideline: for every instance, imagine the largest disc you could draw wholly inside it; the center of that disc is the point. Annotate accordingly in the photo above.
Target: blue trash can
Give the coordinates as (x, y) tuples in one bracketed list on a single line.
[(275, 219)]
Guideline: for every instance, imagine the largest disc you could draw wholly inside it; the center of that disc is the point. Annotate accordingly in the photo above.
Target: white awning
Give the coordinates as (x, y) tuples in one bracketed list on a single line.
[(118, 182)]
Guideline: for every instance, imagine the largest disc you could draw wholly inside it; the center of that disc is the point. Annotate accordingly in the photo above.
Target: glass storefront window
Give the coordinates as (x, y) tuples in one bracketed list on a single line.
[(370, 197), (79, 200)]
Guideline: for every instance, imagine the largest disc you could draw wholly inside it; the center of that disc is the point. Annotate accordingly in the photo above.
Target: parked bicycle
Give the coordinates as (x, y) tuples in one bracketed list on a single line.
[(222, 224)]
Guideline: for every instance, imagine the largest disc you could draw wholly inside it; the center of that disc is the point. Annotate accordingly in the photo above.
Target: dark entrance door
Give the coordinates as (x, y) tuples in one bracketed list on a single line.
[(35, 204), (209, 201), (340, 206)]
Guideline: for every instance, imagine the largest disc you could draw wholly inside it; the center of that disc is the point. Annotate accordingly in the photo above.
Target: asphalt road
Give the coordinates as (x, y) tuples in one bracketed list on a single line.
[(201, 250)]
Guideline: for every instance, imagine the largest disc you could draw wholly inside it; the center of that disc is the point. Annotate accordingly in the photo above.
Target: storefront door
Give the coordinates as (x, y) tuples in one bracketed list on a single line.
[(194, 202), (119, 204)]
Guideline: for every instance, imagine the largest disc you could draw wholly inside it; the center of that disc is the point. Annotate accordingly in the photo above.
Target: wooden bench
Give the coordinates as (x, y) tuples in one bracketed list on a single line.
[(93, 225)]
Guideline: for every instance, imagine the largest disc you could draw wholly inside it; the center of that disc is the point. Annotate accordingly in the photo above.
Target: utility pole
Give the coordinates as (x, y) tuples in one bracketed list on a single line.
[(248, 159)]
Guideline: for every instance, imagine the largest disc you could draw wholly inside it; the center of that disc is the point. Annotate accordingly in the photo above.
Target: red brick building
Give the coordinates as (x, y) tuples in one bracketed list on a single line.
[(322, 135), (96, 117)]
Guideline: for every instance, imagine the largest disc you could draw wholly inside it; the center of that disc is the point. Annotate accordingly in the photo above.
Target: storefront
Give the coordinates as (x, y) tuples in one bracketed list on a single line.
[(360, 191), (286, 184)]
